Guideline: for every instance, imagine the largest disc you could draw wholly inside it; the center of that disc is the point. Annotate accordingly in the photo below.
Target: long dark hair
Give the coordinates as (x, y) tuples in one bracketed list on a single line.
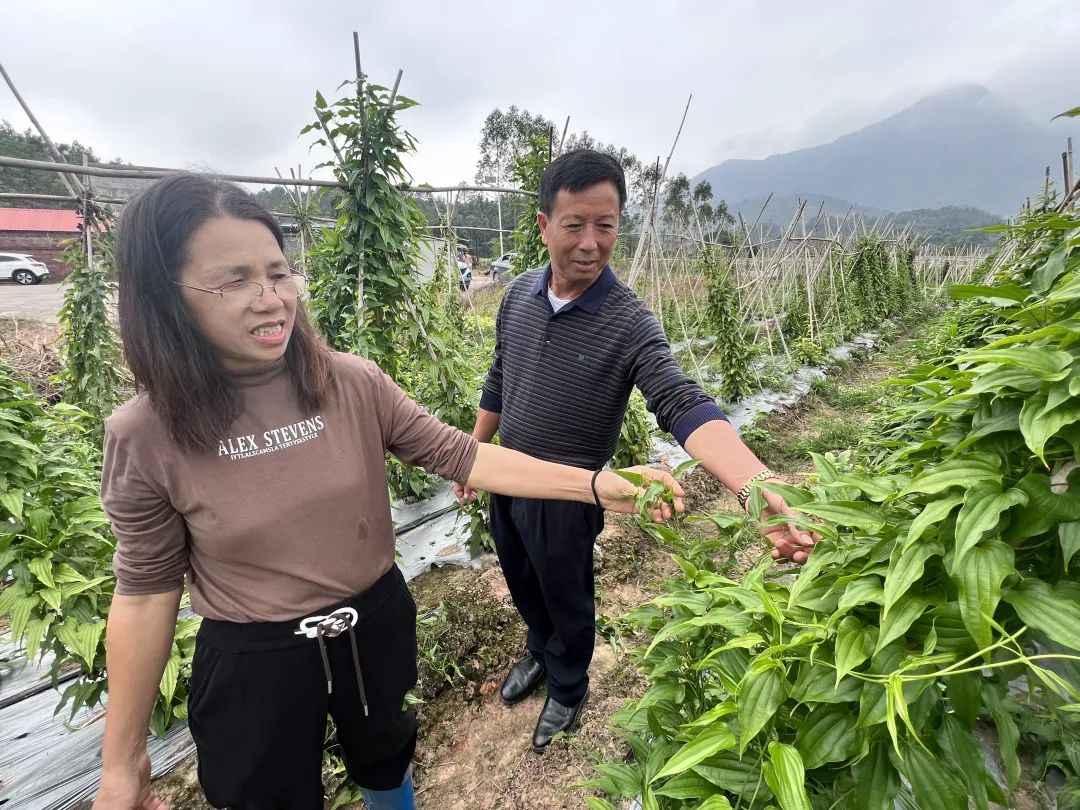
[(168, 355)]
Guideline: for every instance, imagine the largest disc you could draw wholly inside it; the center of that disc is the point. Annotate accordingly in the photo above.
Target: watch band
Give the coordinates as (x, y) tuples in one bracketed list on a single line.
[(743, 495)]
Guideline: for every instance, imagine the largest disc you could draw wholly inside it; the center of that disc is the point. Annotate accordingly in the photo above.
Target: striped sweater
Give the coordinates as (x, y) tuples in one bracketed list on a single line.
[(561, 381)]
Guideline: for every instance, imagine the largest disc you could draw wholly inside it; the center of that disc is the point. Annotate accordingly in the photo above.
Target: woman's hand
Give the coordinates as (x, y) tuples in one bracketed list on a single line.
[(128, 788), (788, 541), (619, 495)]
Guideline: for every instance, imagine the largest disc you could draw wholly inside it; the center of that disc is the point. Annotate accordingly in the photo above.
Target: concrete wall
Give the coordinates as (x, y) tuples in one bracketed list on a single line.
[(45, 247)]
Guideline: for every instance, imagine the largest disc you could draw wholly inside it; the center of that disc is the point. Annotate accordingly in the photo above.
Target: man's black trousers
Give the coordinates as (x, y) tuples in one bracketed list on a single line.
[(546, 551)]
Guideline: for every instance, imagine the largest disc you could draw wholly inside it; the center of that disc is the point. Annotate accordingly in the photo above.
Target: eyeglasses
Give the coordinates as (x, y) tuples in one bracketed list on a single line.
[(245, 293)]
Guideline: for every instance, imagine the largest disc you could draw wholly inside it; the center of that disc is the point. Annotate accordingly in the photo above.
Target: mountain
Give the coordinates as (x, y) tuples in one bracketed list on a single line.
[(948, 225), (782, 207), (961, 147)]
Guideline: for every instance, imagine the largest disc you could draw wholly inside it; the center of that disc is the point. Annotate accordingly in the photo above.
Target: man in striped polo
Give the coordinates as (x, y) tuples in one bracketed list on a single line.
[(571, 341)]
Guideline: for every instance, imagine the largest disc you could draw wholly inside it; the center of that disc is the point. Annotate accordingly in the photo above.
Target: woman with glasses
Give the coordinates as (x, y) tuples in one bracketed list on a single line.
[(251, 463)]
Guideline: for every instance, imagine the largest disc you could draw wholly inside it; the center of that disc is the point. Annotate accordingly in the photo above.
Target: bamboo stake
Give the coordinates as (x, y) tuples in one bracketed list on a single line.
[(634, 269), (158, 173), (72, 184)]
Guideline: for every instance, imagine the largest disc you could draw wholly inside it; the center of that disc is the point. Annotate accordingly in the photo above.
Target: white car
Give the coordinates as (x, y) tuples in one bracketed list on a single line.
[(464, 275), (21, 268), (502, 267)]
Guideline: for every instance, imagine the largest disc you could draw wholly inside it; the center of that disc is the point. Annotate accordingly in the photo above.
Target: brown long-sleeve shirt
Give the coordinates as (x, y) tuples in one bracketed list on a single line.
[(289, 512)]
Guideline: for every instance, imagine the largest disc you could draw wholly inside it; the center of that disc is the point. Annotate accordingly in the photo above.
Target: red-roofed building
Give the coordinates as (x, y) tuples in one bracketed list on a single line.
[(39, 232)]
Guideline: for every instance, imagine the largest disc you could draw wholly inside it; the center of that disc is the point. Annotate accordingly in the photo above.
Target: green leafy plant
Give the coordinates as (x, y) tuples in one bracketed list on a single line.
[(526, 171), (92, 377), (948, 569), (722, 314), (635, 436), (55, 542), (367, 297)]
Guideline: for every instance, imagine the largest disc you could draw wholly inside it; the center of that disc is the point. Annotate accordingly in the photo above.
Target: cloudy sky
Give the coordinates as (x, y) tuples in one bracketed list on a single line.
[(228, 84)]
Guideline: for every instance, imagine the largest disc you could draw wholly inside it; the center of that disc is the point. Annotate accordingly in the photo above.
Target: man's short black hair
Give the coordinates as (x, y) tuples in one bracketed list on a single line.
[(577, 171)]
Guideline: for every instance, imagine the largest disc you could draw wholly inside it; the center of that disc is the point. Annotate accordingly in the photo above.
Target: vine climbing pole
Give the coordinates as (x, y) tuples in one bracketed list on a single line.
[(367, 296)]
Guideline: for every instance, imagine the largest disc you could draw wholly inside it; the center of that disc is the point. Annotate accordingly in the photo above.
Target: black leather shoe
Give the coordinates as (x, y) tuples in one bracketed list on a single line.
[(522, 680), (555, 718)]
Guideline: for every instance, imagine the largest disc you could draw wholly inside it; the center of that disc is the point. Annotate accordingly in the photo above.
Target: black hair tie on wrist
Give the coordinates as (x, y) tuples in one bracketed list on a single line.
[(596, 497)]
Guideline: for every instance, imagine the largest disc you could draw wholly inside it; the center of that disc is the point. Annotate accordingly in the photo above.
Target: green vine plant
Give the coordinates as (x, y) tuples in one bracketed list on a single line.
[(527, 171), (724, 319), (92, 377), (366, 295), (942, 604), (635, 436), (56, 546)]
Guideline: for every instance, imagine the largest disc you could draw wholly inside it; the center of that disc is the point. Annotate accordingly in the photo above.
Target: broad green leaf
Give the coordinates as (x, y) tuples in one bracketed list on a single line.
[(852, 646), (1048, 609), (1045, 362), (1008, 734), (845, 513), (1004, 377), (978, 582), (906, 568), (713, 739), (935, 786), (53, 597), (596, 803), (169, 677), (965, 696), (817, 684), (41, 567), (826, 470), (637, 479), (35, 632), (1044, 277), (1004, 295), (712, 715), (864, 590), (12, 501), (826, 735), (81, 638), (907, 609), (960, 472), (21, 610), (687, 786), (877, 488), (1002, 416), (933, 512), (876, 780), (1073, 113), (1039, 426), (65, 574), (1069, 535), (824, 554), (685, 467), (1045, 508), (786, 777), (762, 691), (740, 775), (70, 590), (958, 745), (982, 509), (793, 496), (716, 802)]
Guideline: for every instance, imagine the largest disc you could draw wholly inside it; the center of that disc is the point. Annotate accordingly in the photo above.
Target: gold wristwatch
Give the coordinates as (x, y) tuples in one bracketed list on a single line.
[(743, 495)]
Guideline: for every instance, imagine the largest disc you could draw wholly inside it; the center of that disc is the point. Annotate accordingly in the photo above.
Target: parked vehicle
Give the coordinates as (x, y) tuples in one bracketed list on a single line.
[(464, 275), (502, 267), (22, 268)]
